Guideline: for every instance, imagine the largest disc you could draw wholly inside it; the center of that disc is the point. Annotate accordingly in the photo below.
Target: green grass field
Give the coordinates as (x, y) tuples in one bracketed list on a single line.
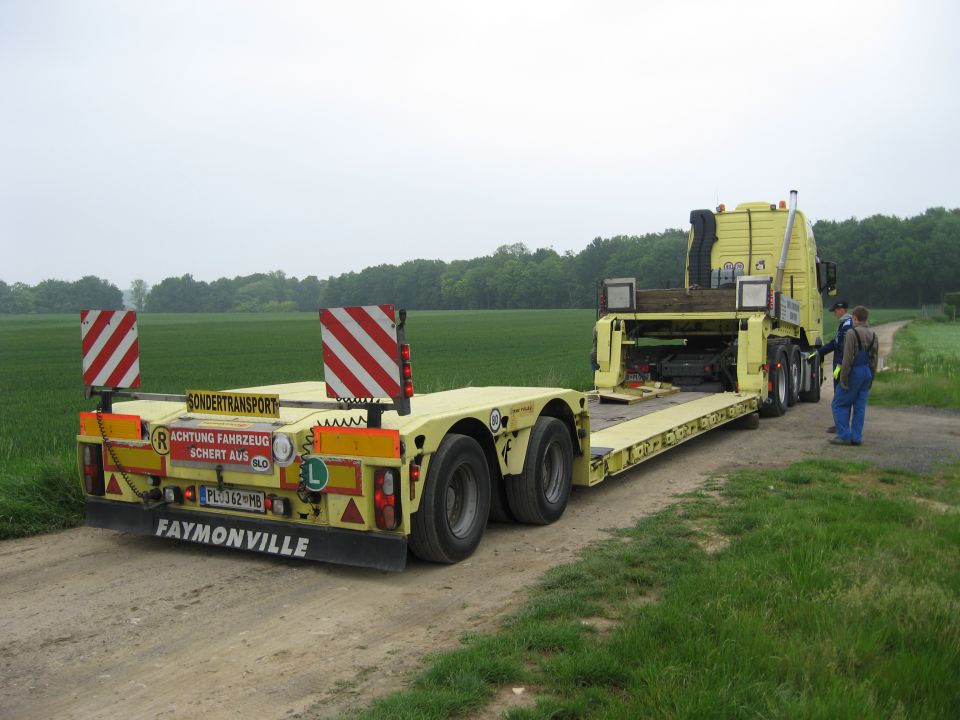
[(924, 367), (877, 317), (43, 392)]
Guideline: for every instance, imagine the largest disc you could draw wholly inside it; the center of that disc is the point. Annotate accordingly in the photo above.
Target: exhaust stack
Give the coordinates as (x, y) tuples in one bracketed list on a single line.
[(778, 283)]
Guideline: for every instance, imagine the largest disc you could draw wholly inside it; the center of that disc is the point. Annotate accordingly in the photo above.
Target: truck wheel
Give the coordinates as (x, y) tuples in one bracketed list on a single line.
[(776, 404), (539, 495), (455, 504), (796, 375), (816, 378)]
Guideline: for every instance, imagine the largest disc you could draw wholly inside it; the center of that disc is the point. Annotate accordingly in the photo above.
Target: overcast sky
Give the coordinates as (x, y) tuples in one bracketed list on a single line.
[(153, 139)]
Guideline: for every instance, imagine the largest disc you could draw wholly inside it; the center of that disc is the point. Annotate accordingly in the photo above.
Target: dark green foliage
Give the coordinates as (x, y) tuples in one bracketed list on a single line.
[(884, 261), (58, 296), (893, 262)]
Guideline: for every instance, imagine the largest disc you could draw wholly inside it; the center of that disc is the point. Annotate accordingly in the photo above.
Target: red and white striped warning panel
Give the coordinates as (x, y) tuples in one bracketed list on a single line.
[(111, 352), (361, 357)]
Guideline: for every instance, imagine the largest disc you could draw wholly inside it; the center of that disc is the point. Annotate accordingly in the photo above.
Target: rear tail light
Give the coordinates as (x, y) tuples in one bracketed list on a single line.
[(277, 505), (93, 470), (173, 494), (190, 494), (386, 499)]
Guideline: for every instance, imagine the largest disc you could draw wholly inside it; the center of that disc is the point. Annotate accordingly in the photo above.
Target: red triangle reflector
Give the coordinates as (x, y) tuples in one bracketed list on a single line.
[(113, 487), (352, 514)]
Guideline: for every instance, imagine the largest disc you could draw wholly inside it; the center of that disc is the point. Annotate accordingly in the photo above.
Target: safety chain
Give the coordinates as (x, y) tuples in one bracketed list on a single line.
[(142, 494), (307, 497)]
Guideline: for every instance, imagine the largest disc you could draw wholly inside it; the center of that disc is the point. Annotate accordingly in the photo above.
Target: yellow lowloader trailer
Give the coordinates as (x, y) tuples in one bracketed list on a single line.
[(321, 471)]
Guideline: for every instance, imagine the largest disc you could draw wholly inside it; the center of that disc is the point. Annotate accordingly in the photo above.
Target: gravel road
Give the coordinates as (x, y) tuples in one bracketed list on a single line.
[(97, 624)]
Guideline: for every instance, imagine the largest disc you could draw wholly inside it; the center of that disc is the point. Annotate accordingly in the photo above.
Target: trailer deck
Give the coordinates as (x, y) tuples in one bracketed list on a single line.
[(625, 435)]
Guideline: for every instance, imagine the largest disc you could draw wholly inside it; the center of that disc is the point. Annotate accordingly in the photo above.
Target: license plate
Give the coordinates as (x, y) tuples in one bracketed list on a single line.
[(249, 500)]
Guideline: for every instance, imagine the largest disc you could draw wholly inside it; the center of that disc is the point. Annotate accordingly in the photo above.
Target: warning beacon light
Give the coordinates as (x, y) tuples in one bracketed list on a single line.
[(406, 371)]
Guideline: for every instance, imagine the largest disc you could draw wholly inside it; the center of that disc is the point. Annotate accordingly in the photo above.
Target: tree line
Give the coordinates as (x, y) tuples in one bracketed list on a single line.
[(882, 261)]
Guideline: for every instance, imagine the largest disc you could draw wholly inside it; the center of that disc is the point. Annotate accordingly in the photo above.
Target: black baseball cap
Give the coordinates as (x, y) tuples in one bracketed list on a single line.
[(839, 305)]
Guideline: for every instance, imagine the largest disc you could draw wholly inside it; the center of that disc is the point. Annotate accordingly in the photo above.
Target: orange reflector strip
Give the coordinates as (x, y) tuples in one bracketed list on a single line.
[(362, 442), (113, 487), (122, 427), (352, 514)]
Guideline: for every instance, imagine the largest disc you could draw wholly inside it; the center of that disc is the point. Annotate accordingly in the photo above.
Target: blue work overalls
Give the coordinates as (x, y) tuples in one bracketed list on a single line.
[(854, 396)]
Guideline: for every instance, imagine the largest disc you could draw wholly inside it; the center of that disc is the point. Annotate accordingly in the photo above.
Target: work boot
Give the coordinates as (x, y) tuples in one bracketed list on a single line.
[(832, 429), (839, 441)]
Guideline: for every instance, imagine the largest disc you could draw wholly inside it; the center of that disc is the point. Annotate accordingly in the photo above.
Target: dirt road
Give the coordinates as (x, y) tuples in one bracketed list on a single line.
[(95, 624)]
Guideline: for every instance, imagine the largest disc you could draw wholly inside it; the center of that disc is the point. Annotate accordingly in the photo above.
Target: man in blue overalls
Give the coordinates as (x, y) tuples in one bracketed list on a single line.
[(835, 346), (857, 370)]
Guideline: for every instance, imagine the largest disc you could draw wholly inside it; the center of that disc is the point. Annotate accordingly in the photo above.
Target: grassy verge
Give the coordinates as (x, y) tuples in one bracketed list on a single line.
[(925, 367), (824, 590)]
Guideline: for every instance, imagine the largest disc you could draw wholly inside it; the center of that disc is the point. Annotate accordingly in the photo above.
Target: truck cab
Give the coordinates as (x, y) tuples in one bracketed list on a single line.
[(747, 319)]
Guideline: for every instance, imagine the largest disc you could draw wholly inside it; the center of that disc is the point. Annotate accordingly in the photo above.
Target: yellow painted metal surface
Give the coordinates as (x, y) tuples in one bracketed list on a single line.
[(636, 440), (134, 458), (754, 241)]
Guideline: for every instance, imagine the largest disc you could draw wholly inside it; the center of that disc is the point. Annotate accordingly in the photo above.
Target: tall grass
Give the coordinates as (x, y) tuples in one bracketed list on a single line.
[(826, 590), (924, 367)]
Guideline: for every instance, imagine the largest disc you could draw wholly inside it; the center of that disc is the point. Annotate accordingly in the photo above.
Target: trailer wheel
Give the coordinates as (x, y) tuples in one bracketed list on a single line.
[(540, 494), (816, 379), (776, 404), (796, 375), (455, 505)]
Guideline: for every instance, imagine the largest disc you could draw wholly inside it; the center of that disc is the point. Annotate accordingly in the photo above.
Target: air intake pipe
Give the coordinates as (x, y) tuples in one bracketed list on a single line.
[(778, 283)]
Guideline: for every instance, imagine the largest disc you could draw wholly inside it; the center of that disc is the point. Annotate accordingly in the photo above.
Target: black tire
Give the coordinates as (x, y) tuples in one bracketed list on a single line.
[(795, 376), (539, 495), (816, 379), (455, 505), (776, 403)]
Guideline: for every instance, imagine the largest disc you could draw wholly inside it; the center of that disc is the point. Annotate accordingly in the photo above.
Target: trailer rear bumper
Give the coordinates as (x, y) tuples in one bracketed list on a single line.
[(293, 540)]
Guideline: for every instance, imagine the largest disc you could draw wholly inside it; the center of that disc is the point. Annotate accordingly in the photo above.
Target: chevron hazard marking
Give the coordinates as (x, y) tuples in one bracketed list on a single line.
[(360, 351), (110, 348)]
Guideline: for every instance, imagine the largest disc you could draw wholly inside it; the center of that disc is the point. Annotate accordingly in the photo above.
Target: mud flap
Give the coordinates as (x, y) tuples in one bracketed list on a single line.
[(282, 539)]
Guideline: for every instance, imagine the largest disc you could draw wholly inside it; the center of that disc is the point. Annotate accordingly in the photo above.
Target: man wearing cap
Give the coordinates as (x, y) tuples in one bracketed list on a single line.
[(857, 371), (840, 310)]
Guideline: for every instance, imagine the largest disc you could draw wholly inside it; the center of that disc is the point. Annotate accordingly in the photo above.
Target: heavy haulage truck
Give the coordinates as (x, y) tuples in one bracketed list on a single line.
[(359, 470)]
